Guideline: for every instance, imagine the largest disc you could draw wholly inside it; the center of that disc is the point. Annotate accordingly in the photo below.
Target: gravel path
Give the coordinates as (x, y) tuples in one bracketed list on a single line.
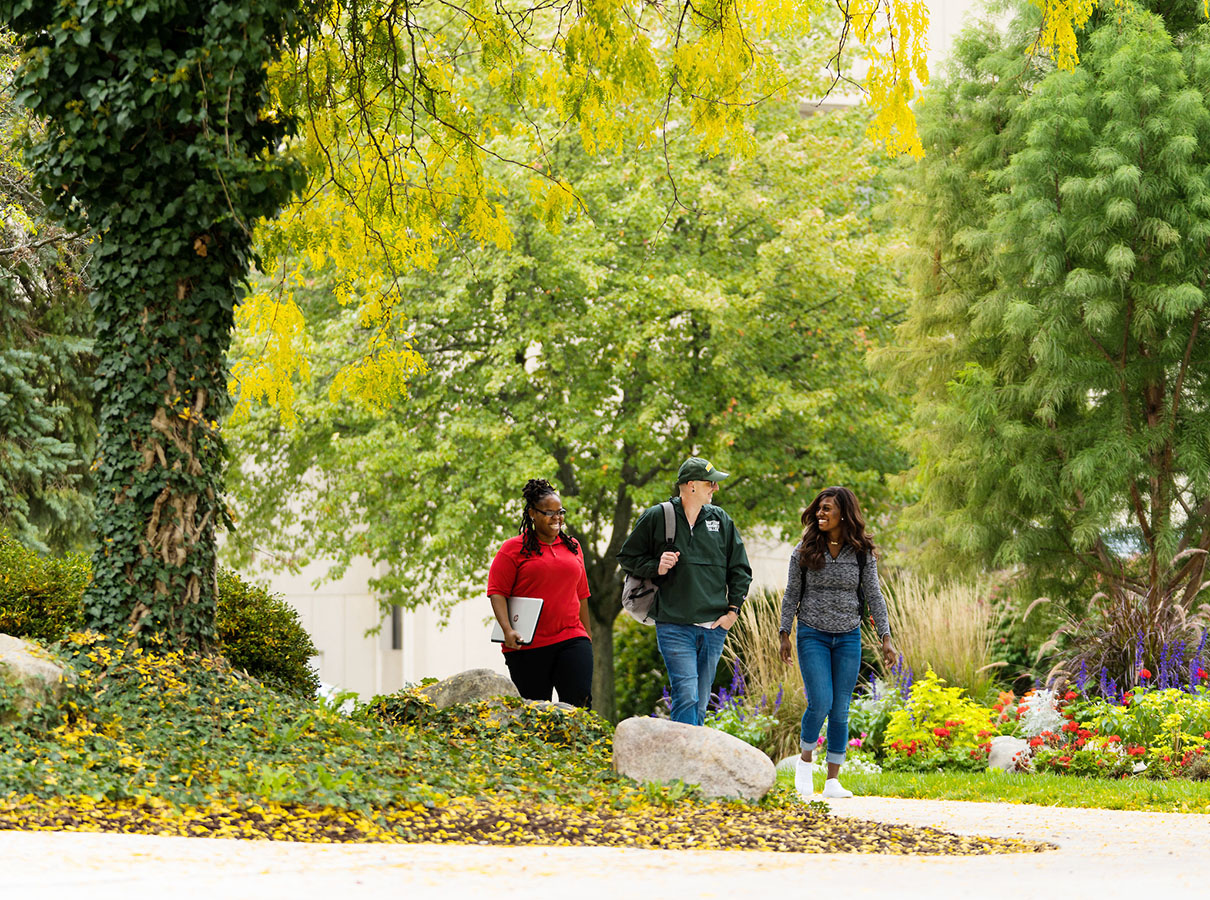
[(1102, 854)]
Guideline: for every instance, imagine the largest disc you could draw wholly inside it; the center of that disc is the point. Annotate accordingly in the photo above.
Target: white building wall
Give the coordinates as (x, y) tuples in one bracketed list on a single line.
[(338, 615)]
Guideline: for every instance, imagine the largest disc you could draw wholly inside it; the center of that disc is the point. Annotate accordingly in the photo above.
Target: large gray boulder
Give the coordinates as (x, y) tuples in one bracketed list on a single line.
[(1005, 752), (30, 676), (650, 749), (468, 687)]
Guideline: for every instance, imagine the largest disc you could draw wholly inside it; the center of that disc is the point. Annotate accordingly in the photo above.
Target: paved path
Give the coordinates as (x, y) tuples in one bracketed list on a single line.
[(1102, 854)]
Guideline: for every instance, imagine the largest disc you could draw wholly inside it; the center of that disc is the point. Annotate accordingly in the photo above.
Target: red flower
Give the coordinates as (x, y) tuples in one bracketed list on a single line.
[(1201, 673), (1144, 673), (1114, 739), (1070, 695), (941, 732), (954, 723), (1035, 742), (1136, 750), (1071, 726)]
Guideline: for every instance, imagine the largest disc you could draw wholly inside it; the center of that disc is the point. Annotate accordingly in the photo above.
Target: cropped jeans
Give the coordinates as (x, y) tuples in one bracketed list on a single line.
[(829, 663), (691, 654)]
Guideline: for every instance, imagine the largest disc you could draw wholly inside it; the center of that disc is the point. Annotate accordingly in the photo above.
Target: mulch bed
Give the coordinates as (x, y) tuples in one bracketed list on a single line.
[(685, 826)]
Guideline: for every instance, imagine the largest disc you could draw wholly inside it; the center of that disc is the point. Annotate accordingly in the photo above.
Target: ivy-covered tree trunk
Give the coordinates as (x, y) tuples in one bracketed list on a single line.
[(159, 140)]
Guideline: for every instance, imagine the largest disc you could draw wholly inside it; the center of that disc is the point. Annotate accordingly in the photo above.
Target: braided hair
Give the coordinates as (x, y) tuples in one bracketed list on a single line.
[(814, 543), (535, 490)]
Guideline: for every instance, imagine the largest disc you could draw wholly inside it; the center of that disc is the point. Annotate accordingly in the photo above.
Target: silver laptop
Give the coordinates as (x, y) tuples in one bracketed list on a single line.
[(523, 612)]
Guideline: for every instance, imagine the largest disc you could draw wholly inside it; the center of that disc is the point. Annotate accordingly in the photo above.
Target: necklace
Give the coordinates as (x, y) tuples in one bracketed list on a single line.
[(834, 543)]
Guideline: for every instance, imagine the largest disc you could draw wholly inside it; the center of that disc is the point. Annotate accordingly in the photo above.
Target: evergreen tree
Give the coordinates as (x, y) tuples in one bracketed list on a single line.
[(47, 429), (1058, 340)]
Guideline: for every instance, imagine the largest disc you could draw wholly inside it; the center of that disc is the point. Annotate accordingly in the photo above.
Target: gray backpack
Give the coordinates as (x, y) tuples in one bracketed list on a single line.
[(639, 594)]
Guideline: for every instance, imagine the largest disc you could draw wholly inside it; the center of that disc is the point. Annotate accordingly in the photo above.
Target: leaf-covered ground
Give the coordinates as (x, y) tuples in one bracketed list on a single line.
[(164, 744)]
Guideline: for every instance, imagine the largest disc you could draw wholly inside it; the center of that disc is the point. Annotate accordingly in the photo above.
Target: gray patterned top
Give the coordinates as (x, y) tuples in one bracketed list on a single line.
[(831, 602)]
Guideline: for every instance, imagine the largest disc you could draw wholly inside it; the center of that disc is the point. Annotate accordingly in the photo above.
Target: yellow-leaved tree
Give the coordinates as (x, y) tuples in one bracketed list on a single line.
[(411, 110), (404, 154)]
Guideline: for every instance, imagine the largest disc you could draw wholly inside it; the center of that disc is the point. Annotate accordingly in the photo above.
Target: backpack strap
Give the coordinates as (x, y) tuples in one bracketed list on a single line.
[(861, 604), (669, 523)]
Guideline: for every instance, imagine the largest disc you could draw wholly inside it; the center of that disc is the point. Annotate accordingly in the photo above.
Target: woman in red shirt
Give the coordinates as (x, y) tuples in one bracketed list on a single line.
[(543, 561)]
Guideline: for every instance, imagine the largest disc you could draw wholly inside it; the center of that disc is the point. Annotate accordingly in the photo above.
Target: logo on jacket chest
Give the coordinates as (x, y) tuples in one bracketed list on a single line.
[(712, 525)]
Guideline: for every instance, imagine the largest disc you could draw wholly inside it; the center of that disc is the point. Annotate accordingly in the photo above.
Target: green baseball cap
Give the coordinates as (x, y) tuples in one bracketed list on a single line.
[(697, 469)]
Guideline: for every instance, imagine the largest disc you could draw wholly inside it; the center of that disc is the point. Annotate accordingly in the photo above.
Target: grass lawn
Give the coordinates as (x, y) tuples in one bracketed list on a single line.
[(1175, 795)]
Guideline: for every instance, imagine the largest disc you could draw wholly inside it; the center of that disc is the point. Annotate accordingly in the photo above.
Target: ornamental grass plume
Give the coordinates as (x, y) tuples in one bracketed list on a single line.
[(753, 648), (946, 626), (1130, 628)]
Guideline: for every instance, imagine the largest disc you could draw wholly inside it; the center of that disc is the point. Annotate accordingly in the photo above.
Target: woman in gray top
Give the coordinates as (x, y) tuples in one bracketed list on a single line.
[(832, 583)]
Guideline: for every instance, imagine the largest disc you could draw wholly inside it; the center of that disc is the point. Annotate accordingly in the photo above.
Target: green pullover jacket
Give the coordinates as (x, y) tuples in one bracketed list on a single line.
[(712, 573)]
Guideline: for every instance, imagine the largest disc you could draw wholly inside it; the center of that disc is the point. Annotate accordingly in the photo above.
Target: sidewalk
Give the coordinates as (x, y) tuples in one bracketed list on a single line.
[(1101, 853)]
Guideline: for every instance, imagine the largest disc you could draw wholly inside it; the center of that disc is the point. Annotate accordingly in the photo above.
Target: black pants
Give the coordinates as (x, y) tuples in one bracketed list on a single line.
[(566, 667)]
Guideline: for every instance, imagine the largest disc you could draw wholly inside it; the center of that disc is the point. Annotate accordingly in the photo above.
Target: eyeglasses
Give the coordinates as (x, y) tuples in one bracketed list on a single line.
[(554, 514)]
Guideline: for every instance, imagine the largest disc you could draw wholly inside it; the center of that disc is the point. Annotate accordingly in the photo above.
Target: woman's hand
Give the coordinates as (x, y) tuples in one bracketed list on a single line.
[(889, 654), (784, 649), (512, 639)]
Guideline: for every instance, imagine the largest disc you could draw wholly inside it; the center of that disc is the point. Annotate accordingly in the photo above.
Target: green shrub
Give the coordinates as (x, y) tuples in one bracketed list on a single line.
[(42, 598), (639, 676), (260, 633)]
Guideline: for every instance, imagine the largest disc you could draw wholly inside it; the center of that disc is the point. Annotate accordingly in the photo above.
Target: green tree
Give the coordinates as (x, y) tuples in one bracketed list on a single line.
[(158, 138), (600, 357), (47, 429), (1057, 339)]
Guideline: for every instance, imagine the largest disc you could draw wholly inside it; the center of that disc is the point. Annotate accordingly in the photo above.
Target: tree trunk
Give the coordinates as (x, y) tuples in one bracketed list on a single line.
[(604, 697), (161, 387), (605, 583)]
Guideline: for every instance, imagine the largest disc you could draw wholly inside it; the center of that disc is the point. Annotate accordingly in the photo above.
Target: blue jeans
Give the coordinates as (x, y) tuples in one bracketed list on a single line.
[(691, 655), (829, 664)]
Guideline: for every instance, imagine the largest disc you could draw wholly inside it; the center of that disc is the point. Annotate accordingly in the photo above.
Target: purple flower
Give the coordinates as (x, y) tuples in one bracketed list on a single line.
[(777, 702), (1082, 678)]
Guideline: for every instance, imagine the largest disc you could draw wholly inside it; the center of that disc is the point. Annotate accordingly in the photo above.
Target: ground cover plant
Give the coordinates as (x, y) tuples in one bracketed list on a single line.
[(175, 744)]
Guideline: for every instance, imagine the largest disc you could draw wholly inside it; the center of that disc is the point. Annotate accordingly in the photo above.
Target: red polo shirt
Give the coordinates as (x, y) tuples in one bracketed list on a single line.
[(557, 576)]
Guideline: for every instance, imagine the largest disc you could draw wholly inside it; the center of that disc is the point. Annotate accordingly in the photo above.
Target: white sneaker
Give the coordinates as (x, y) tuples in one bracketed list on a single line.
[(833, 791), (804, 778)]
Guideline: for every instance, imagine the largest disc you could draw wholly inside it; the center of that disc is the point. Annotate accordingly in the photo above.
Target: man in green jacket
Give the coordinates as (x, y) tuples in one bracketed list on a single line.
[(702, 584)]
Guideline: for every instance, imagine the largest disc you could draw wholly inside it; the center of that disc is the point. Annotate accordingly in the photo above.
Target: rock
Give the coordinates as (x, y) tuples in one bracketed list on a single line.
[(650, 749), (468, 687), (789, 764), (30, 675), (1005, 751)]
